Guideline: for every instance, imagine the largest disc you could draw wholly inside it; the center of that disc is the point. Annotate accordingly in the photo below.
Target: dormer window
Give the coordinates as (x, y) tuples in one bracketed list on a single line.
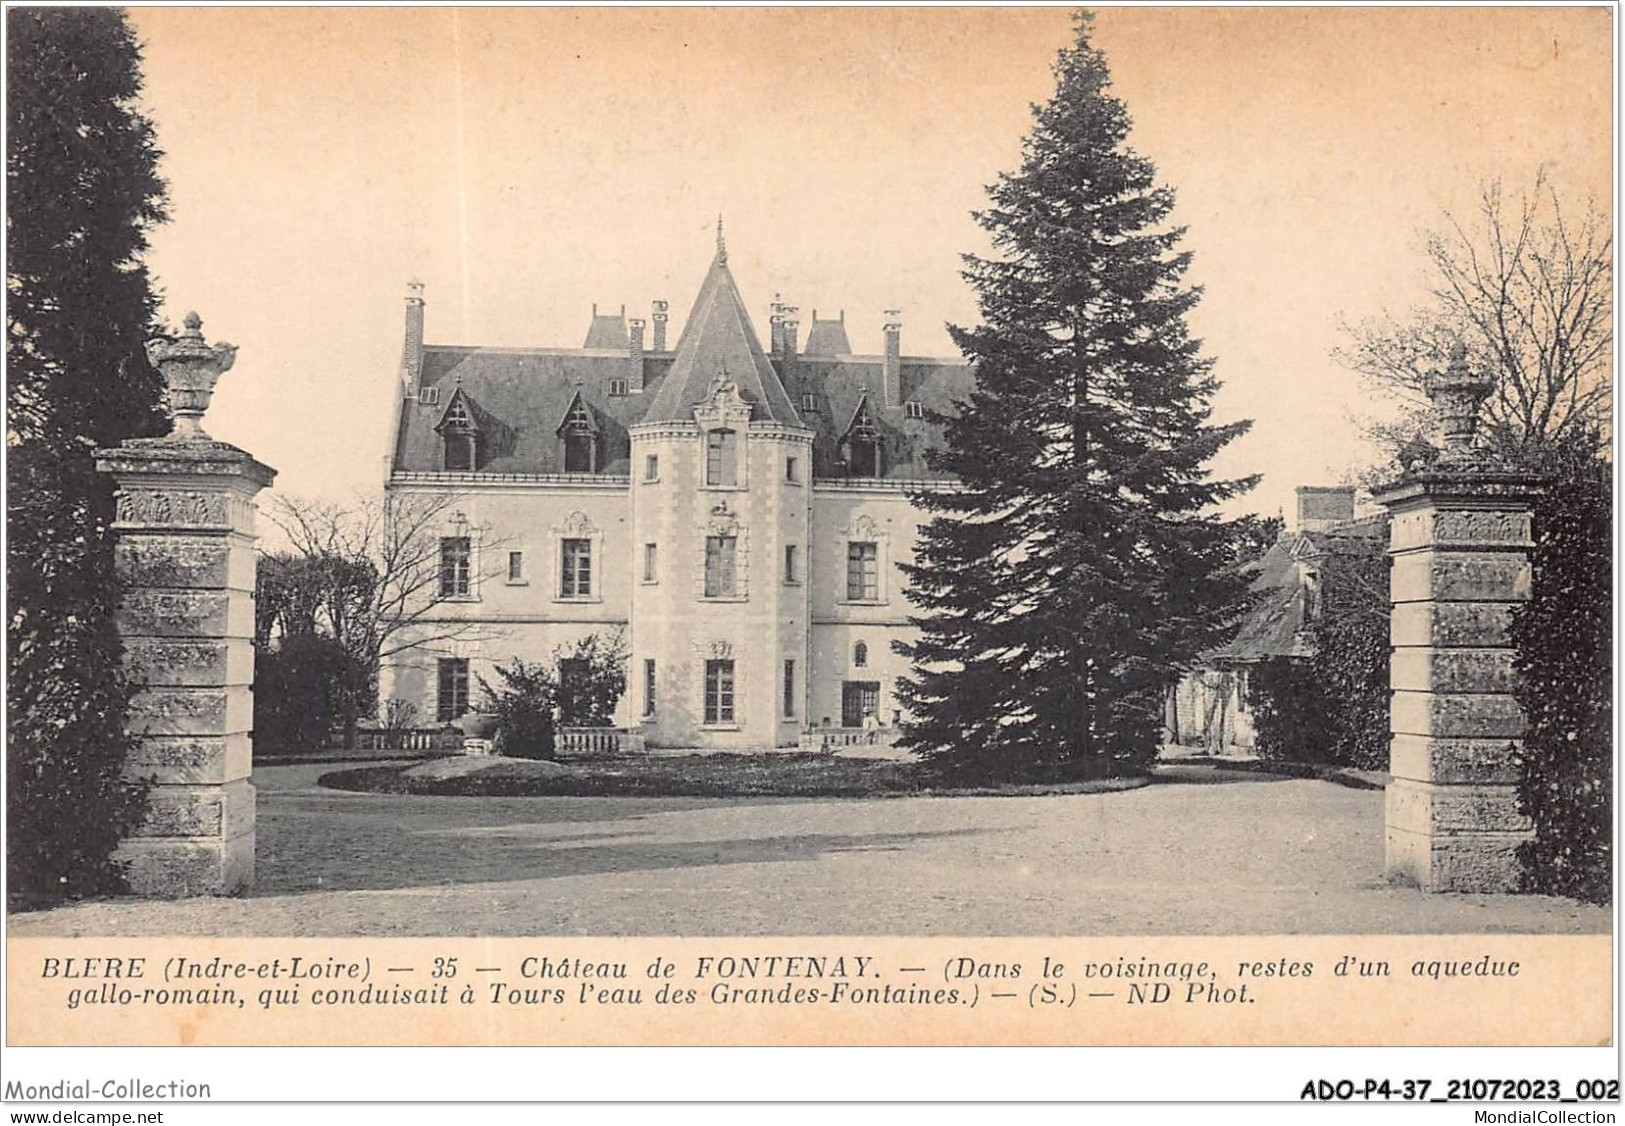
[(912, 409), (460, 436), (617, 389), (579, 433), (459, 452), (428, 396), (862, 444), (809, 402), (1312, 605)]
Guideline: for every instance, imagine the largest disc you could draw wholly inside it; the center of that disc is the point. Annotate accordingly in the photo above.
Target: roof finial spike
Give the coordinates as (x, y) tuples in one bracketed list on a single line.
[(722, 245)]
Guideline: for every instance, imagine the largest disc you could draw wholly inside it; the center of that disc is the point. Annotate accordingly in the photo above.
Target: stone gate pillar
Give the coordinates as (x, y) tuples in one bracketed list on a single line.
[(1459, 543), (184, 547)]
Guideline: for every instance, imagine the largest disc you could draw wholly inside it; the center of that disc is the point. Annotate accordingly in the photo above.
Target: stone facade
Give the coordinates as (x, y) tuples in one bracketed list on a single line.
[(185, 553), (822, 450)]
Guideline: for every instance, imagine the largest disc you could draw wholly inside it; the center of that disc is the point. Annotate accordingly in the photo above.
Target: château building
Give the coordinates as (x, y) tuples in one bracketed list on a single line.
[(739, 512)]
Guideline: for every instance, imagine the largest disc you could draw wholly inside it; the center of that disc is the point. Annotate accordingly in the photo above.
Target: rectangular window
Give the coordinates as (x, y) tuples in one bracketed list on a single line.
[(719, 566), (719, 692), (649, 686), (790, 573), (575, 574), (651, 467), (789, 690), (572, 699), (617, 388), (451, 699), (516, 566), (650, 552), (454, 563), (862, 572), (859, 700), (912, 409), (792, 472), (720, 460)]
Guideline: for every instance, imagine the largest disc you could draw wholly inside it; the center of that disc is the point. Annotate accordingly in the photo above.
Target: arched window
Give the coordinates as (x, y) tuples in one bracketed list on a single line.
[(580, 441), (860, 655), (721, 458)]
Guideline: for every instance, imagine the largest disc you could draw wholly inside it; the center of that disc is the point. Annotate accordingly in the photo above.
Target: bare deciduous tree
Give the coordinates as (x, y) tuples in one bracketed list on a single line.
[(398, 537), (1528, 288)]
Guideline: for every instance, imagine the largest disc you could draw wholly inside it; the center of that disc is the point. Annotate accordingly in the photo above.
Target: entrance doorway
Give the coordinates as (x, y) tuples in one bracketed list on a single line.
[(858, 699)]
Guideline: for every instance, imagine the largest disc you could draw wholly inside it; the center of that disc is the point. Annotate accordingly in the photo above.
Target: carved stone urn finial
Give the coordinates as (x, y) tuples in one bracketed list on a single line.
[(190, 369), (1458, 391)]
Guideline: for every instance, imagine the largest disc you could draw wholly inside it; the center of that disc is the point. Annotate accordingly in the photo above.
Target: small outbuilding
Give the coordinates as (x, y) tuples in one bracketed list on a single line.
[(1210, 709)]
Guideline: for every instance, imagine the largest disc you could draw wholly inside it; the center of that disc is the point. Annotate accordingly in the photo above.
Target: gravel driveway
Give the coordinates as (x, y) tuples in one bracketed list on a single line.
[(1203, 851)]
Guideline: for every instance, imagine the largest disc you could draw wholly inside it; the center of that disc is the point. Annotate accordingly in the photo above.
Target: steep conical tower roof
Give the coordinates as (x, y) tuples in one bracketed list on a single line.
[(718, 339)]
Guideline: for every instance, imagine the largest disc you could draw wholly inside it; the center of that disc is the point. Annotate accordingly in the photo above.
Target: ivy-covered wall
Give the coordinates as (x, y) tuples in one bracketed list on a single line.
[(1564, 641)]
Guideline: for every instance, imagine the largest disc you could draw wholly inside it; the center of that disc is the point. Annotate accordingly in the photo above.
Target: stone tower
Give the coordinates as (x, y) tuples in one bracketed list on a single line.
[(721, 471)]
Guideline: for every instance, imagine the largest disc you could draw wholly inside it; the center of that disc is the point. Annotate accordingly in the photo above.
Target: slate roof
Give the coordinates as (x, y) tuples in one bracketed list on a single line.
[(608, 330), (718, 339), (827, 338), (836, 384), (518, 395), (1275, 626)]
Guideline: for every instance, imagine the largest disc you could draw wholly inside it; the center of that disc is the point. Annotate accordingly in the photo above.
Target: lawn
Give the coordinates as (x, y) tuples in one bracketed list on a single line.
[(787, 774)]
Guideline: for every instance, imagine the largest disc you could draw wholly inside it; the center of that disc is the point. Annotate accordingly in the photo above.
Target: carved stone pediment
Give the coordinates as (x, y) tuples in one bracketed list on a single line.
[(723, 405), (723, 521), (577, 526)]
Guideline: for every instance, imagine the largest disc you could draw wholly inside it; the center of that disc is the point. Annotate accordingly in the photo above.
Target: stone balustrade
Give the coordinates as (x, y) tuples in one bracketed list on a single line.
[(597, 742), (834, 738)]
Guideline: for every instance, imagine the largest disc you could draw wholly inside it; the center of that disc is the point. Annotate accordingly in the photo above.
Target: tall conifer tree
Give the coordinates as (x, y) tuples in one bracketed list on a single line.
[(82, 190), (1062, 589)]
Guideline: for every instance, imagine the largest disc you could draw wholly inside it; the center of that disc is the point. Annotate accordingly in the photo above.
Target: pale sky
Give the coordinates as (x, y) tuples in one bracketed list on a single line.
[(525, 163)]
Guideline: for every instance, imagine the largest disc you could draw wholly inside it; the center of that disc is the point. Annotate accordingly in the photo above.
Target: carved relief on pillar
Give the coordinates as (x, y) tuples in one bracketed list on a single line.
[(183, 508), (1510, 528), (1487, 528)]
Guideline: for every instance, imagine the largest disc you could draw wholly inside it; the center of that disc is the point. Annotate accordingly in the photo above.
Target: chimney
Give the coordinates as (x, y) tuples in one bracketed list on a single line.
[(775, 321), (789, 329), (660, 326), (892, 372), (412, 351), (634, 353), (1322, 507)]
